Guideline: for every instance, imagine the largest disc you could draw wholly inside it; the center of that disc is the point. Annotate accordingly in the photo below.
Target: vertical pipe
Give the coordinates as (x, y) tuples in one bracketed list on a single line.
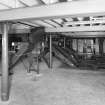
[(5, 76), (50, 51)]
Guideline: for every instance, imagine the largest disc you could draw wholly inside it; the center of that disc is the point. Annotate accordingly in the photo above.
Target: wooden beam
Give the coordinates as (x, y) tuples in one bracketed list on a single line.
[(23, 3), (48, 23), (66, 9), (9, 7), (62, 0), (42, 2), (69, 19), (42, 23), (28, 23), (84, 22), (76, 28), (85, 34), (56, 22), (47, 2), (31, 2), (19, 31)]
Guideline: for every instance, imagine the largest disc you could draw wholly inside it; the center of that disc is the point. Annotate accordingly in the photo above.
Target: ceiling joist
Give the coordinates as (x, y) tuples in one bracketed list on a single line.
[(52, 23), (62, 0), (42, 23), (8, 3), (50, 1), (48, 23), (59, 24), (28, 23), (84, 22), (9, 7), (23, 3)]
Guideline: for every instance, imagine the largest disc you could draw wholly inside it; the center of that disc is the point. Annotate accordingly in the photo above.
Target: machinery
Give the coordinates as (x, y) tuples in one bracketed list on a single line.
[(82, 52), (31, 50)]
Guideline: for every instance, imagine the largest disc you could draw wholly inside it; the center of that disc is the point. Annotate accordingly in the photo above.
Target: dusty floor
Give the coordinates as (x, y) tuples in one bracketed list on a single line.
[(59, 86)]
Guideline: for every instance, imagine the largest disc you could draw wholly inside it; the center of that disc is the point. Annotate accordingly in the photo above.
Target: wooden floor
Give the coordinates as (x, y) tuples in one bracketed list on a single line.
[(59, 86)]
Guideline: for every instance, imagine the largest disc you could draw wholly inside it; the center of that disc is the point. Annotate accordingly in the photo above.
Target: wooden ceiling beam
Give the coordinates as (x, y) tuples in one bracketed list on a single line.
[(85, 34), (76, 29), (26, 5), (9, 7), (84, 22)]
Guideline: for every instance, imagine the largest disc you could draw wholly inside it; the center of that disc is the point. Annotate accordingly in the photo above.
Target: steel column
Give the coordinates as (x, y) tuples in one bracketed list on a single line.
[(70, 42), (50, 51), (101, 40), (5, 76), (64, 41)]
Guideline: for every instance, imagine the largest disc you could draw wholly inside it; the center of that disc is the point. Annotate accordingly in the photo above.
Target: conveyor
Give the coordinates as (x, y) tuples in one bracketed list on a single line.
[(71, 58), (65, 56)]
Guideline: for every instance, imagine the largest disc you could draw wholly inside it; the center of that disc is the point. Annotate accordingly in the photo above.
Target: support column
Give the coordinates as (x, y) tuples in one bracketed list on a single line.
[(5, 76), (77, 44), (50, 51), (70, 43), (64, 41), (101, 40)]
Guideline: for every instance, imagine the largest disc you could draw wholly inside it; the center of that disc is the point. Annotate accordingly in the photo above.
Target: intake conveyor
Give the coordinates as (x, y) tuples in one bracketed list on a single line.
[(70, 57), (60, 56), (80, 62), (61, 53)]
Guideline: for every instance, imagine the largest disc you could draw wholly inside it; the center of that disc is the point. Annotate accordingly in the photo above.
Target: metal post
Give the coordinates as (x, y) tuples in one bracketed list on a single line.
[(50, 51), (37, 64), (5, 76), (70, 43), (101, 40), (77, 44), (64, 41)]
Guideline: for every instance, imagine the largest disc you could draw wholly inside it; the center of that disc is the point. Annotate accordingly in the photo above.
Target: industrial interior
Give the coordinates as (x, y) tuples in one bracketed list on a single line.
[(52, 52)]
